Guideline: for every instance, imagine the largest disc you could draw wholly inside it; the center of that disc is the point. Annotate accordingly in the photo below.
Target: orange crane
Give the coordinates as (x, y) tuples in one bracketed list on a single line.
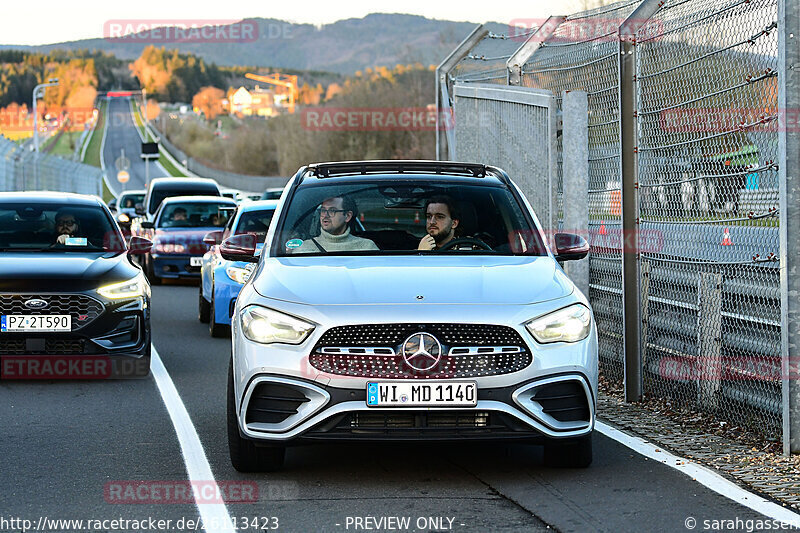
[(289, 81)]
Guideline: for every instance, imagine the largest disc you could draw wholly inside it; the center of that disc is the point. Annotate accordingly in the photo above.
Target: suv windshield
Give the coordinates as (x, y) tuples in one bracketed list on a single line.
[(129, 201), (159, 194), (383, 217), (255, 222), (193, 215), (57, 227)]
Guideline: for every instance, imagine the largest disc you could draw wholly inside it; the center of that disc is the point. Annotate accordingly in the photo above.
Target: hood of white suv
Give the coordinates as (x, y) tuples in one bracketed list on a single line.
[(412, 279)]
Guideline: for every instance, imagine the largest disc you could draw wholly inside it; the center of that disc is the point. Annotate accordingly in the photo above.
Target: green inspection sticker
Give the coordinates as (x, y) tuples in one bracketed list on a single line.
[(294, 243)]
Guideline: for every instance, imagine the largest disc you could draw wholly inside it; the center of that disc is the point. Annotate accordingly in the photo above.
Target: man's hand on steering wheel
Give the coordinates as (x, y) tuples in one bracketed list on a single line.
[(465, 240)]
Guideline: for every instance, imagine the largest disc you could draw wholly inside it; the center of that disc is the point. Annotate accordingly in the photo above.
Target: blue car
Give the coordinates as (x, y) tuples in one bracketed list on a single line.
[(220, 279)]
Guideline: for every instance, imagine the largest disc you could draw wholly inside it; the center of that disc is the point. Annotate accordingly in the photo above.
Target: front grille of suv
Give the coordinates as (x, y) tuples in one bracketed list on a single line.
[(82, 308), (375, 351)]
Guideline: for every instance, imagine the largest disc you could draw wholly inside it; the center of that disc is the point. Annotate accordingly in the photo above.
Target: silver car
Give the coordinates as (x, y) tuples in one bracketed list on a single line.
[(409, 301)]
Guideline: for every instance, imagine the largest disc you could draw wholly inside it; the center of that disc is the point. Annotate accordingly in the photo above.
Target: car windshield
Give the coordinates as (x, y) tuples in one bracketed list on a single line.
[(57, 227), (193, 215), (159, 194), (385, 217), (255, 222), (129, 201)]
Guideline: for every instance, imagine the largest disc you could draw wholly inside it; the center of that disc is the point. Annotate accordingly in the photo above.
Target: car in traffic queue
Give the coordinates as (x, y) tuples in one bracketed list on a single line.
[(220, 279), (177, 232), (124, 208), (73, 304), (409, 301), (161, 188)]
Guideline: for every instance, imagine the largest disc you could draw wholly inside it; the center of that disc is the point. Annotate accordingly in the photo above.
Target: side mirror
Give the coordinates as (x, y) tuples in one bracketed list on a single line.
[(213, 237), (139, 209), (146, 224), (112, 206), (239, 248), (570, 247), (139, 246)]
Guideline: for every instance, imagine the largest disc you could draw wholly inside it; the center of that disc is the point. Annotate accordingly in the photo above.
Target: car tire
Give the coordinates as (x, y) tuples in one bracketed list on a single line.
[(203, 307), (151, 274), (575, 454), (245, 455), (216, 330)]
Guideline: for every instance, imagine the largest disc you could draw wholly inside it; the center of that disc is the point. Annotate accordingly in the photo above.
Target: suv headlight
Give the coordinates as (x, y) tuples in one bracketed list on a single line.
[(571, 324), (266, 326), (125, 289), (238, 274)]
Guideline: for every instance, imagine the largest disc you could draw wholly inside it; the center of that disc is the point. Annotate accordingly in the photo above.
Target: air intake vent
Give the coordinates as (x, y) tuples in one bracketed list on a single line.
[(272, 403), (565, 401)]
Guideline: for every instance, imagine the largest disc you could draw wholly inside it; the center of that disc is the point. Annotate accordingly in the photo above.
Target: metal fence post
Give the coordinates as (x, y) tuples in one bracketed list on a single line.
[(789, 185), (529, 47), (629, 172), (445, 145), (576, 177)]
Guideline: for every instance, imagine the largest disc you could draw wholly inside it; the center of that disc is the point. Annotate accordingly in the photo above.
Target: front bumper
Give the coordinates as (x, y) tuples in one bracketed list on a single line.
[(112, 341), (173, 266), (225, 293), (328, 405)]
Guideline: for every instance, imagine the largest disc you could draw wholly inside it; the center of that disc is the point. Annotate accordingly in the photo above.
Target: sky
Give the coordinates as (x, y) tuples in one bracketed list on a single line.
[(52, 21)]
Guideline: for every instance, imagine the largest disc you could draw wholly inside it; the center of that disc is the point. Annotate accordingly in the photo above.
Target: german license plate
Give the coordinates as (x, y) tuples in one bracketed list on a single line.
[(10, 323), (195, 261), (422, 394)]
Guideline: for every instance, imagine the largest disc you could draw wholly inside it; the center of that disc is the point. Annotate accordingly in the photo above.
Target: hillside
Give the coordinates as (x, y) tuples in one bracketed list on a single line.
[(344, 46)]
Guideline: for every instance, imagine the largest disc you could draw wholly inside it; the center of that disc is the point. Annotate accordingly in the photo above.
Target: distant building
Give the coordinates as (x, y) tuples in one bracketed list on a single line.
[(257, 102)]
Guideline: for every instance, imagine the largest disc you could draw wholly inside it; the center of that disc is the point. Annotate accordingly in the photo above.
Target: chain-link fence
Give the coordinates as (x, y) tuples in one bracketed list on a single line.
[(705, 184), (24, 170)]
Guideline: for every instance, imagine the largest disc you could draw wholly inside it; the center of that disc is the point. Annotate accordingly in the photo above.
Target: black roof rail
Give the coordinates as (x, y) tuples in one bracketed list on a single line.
[(325, 170)]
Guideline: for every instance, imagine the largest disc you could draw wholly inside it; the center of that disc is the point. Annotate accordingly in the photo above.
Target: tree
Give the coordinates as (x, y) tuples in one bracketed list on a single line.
[(209, 102)]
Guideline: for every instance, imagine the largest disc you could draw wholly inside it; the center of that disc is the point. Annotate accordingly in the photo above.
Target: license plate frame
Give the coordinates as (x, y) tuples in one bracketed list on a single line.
[(422, 394), (35, 323), (195, 261)]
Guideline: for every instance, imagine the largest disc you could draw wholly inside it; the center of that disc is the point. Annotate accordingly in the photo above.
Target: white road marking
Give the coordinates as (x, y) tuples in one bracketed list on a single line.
[(702, 475), (215, 515)]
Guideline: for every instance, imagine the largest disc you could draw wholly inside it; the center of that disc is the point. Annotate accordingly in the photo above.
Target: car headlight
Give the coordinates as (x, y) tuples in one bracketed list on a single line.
[(131, 288), (266, 326), (123, 218), (571, 324), (238, 274), (169, 248)]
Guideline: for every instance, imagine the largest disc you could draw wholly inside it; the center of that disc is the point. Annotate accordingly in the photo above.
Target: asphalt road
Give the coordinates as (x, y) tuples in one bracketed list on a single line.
[(121, 134), (64, 442)]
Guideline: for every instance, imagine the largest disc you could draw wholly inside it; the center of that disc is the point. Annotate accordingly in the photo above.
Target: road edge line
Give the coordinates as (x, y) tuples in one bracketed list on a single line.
[(701, 474), (215, 515)]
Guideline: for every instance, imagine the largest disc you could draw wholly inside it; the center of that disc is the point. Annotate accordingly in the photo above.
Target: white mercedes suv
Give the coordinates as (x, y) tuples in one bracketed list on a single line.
[(409, 300)]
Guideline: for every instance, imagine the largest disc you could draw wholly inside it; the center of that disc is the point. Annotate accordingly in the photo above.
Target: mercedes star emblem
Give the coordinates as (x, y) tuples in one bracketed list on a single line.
[(422, 351)]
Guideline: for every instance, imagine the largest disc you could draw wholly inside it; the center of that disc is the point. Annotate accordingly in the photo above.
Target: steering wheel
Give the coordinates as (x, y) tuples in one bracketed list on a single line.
[(465, 240)]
